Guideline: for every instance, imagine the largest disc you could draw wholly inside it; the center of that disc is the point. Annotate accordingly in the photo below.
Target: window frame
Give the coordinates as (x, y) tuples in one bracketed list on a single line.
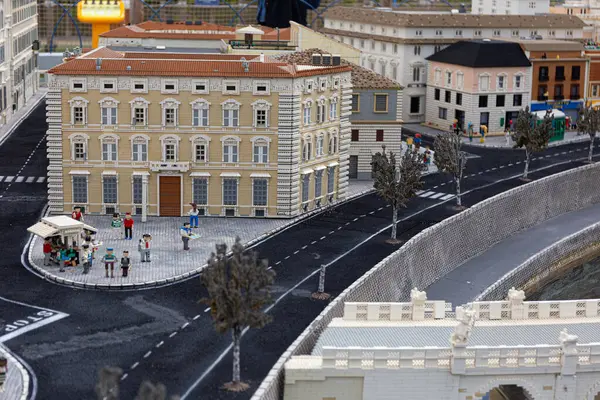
[(109, 81), (85, 177), (113, 154), (202, 108), (79, 102), (139, 102), (112, 111), (168, 82), (204, 82), (139, 140), (232, 118), (262, 106), (375, 95), (260, 142), (352, 102), (230, 149), (236, 186), (266, 191), (168, 140), (79, 138), (105, 178), (139, 81)]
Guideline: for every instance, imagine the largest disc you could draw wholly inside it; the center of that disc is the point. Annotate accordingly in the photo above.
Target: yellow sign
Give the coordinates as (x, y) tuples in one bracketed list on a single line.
[(100, 13)]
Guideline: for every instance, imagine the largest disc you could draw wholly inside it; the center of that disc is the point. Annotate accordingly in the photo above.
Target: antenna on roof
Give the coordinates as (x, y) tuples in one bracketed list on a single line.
[(245, 64), (98, 64)]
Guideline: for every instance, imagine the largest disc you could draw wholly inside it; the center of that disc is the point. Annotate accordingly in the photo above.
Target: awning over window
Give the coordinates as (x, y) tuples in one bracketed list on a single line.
[(259, 175), (205, 174), (230, 175), (79, 172), (307, 171)]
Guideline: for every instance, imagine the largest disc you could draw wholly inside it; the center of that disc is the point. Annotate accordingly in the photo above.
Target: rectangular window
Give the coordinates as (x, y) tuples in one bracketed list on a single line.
[(80, 189), (560, 73), (305, 183), (109, 115), (354, 135), (200, 117), (543, 75), (518, 81), (170, 116), (230, 118), (436, 94), (137, 190), (109, 152), (261, 118), (379, 135), (170, 152), (448, 78), (501, 83), (307, 115), (483, 101), (574, 91), (558, 92), (230, 194), (416, 74), (500, 100), (78, 115), (109, 190), (415, 105), (318, 184), (260, 192), (139, 116), (448, 96), (200, 154), (442, 113), (575, 72), (484, 118), (356, 103), (594, 90), (200, 191), (332, 111), (140, 152), (79, 151), (320, 112), (230, 153), (330, 180), (139, 86), (261, 154), (484, 83), (459, 99)]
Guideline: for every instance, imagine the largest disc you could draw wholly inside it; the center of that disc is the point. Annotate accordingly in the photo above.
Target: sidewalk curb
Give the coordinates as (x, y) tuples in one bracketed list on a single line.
[(187, 275), (18, 122), (24, 374)]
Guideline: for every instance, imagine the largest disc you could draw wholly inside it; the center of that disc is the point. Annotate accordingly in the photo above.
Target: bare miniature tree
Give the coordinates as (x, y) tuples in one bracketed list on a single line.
[(238, 289), (450, 158), (531, 134), (589, 122), (109, 379), (397, 184), (320, 293)]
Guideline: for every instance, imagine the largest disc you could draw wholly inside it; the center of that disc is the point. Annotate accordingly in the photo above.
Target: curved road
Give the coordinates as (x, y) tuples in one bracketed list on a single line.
[(164, 334)]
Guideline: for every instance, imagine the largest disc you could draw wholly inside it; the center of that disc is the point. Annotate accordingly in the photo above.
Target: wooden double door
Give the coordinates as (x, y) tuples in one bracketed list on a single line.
[(169, 196)]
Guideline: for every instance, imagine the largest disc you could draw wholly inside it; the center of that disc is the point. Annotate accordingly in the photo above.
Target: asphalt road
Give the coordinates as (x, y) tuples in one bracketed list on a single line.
[(164, 334)]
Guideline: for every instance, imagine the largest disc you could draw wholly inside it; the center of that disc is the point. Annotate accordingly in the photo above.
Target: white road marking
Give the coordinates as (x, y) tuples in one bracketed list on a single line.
[(347, 223), (297, 251), (442, 184), (332, 232), (380, 208), (125, 375), (564, 152), (278, 262), (41, 179), (269, 268), (304, 247), (339, 228), (510, 165), (1, 177), (480, 173), (160, 344), (19, 179), (322, 237), (30, 179), (493, 169), (421, 191), (364, 215), (355, 219), (147, 354), (207, 309), (435, 196), (286, 257), (9, 179), (134, 366), (197, 316), (185, 325), (35, 320), (518, 162), (548, 156), (313, 242), (172, 334), (424, 195), (446, 197), (435, 187), (372, 212), (387, 206)]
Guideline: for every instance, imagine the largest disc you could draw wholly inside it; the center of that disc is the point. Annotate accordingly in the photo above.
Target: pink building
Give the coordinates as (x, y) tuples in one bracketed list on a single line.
[(479, 82)]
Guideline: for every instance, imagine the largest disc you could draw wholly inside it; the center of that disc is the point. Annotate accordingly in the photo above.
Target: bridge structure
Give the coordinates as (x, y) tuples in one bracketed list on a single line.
[(424, 350)]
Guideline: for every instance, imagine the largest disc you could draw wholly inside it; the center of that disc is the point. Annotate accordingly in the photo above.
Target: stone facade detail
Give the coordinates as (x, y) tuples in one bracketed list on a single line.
[(288, 155), (54, 149)]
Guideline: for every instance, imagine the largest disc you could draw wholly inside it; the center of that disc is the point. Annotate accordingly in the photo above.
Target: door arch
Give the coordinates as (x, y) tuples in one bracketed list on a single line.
[(528, 387)]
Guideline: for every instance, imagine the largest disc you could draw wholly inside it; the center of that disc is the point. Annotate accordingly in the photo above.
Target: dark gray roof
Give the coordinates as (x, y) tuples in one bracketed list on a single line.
[(439, 336), (483, 54), (49, 60)]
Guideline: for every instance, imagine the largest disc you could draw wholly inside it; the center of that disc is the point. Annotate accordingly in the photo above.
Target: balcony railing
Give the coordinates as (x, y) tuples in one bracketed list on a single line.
[(157, 166), (544, 78)]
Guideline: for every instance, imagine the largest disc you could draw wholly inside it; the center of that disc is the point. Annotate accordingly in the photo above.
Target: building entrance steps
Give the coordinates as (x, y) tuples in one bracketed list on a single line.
[(471, 278)]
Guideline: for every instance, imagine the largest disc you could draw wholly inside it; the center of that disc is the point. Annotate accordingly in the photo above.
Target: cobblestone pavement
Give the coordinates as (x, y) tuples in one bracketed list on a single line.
[(13, 387)]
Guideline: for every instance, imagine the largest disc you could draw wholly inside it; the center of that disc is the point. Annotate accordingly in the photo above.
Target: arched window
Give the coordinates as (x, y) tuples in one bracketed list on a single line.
[(307, 148), (260, 149), (170, 148), (261, 113), (231, 113), (110, 145), (200, 149), (200, 112), (230, 149), (79, 144), (170, 112), (139, 147), (79, 107), (139, 111)]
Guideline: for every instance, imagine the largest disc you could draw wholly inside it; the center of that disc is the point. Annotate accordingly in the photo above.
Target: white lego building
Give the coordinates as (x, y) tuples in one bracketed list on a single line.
[(396, 43), (18, 61), (510, 7), (542, 350)]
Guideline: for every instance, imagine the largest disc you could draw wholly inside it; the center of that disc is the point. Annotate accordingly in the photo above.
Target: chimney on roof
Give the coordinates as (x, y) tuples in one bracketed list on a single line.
[(261, 58), (98, 64)]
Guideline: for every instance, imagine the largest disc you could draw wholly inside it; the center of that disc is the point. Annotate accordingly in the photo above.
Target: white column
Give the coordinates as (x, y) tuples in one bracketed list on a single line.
[(144, 198)]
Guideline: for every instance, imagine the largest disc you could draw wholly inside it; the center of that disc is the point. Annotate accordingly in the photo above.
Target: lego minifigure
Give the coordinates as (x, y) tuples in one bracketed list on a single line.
[(87, 258), (185, 232), (47, 252), (109, 260), (63, 258), (77, 214), (470, 131), (128, 224), (409, 143), (116, 224), (144, 247), (193, 213), (125, 263)]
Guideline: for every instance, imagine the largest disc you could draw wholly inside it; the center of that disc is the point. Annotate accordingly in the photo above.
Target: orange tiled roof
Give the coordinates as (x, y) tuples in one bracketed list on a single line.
[(213, 66)]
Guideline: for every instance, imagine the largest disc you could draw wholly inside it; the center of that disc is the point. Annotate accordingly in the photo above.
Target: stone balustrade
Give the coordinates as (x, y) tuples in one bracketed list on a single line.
[(397, 311), (505, 310)]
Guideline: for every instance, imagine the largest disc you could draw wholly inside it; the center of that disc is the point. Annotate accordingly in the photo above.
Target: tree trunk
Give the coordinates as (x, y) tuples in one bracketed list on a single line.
[(237, 336), (591, 153), (527, 159), (458, 199), (394, 221), (321, 288)]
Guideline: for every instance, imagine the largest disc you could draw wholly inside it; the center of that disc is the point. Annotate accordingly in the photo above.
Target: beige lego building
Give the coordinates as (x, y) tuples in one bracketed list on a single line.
[(149, 133)]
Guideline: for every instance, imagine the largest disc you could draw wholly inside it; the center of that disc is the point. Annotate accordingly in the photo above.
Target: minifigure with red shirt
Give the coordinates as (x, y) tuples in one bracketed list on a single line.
[(77, 214), (47, 252), (128, 224)]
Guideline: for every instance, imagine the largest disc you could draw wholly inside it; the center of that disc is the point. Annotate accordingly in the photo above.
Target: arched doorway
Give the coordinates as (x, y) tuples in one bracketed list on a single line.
[(509, 392)]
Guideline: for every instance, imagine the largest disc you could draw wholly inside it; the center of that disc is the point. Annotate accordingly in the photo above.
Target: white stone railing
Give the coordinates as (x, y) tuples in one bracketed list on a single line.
[(505, 310), (471, 358), (182, 166), (397, 311)]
